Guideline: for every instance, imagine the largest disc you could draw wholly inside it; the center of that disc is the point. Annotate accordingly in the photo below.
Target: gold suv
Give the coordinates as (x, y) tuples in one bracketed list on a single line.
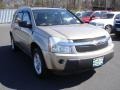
[(57, 40)]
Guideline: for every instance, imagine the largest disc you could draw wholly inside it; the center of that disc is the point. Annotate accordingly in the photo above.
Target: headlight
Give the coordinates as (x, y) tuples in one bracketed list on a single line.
[(93, 23), (59, 45), (101, 25), (110, 41), (108, 38)]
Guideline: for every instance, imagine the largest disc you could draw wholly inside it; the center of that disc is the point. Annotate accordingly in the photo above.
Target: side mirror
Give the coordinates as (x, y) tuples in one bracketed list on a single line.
[(24, 24), (17, 20)]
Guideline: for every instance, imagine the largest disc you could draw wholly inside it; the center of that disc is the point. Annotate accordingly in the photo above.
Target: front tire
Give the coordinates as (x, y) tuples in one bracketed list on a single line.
[(13, 45), (38, 63)]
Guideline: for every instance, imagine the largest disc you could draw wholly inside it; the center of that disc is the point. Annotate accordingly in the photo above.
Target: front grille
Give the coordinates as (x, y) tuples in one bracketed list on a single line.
[(117, 23), (90, 47), (88, 39)]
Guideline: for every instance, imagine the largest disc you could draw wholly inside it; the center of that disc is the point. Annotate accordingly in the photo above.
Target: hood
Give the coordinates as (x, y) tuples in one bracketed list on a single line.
[(104, 21), (78, 31)]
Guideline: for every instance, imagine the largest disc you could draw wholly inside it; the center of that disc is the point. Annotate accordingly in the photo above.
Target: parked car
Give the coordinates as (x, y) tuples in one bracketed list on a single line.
[(87, 16), (97, 14), (84, 15), (107, 21), (58, 41), (117, 26)]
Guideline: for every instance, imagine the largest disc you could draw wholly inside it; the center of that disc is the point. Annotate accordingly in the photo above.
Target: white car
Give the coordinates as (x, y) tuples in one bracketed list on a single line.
[(107, 22)]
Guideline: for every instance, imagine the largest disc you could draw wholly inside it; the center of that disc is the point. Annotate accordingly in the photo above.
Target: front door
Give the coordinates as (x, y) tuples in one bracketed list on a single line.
[(26, 33)]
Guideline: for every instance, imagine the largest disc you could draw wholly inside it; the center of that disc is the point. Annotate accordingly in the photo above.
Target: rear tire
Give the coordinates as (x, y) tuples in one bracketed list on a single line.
[(38, 63), (108, 28)]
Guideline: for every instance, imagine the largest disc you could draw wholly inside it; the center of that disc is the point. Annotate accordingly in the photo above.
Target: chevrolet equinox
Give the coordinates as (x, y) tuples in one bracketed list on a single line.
[(57, 40)]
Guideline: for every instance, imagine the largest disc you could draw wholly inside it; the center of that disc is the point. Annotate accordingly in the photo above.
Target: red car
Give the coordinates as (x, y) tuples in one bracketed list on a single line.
[(87, 16), (84, 15)]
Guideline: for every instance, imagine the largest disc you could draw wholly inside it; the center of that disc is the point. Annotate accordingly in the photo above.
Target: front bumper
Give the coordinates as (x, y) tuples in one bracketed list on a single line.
[(78, 62), (79, 66), (83, 65)]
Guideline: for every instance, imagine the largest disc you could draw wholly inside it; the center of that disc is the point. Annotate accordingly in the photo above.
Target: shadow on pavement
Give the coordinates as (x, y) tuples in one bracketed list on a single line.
[(16, 72)]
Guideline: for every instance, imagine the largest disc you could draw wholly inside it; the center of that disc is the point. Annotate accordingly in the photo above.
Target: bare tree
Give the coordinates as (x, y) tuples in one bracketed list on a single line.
[(70, 4)]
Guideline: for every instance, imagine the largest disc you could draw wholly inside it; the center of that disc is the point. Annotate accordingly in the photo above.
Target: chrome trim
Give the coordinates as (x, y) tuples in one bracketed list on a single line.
[(93, 42)]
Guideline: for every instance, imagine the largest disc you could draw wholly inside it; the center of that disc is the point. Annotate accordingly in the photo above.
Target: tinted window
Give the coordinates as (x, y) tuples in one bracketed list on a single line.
[(108, 16), (54, 17)]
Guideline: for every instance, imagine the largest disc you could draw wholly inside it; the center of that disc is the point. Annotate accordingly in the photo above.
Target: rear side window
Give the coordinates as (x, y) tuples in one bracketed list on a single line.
[(108, 16)]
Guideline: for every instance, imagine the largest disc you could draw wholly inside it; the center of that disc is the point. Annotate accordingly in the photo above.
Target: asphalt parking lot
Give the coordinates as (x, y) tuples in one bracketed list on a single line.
[(16, 71)]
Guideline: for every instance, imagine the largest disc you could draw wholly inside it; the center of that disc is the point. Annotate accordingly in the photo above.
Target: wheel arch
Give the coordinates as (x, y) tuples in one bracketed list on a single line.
[(46, 59), (33, 46), (109, 25)]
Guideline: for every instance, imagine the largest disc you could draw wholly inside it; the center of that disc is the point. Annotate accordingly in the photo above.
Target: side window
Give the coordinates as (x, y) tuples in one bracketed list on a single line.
[(96, 14), (117, 16), (18, 17), (26, 17), (102, 14)]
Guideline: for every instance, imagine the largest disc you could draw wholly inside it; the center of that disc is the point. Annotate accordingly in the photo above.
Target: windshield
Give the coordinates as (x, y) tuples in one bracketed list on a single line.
[(47, 17), (98, 14), (108, 16), (85, 14)]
